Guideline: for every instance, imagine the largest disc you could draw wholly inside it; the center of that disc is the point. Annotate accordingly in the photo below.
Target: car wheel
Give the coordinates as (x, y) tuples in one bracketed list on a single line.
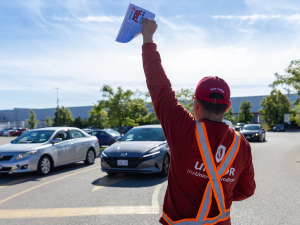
[(44, 165), (264, 138), (90, 157), (165, 167)]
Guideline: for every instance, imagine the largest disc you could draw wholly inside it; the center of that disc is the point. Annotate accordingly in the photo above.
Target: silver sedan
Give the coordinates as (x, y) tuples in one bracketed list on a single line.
[(43, 149)]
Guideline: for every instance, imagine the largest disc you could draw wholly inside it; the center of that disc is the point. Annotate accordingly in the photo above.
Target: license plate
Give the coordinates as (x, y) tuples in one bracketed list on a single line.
[(248, 137), (122, 162), (0, 167)]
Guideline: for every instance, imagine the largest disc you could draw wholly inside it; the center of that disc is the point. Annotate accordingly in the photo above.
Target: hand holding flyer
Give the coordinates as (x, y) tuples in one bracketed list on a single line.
[(132, 23)]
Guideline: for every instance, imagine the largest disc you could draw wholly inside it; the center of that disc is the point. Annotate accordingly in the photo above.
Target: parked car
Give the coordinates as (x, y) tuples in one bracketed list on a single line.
[(106, 137), (239, 126), (228, 123), (279, 127), (143, 149), (1, 132), (43, 149), (254, 132), (88, 131), (8, 133), (17, 132)]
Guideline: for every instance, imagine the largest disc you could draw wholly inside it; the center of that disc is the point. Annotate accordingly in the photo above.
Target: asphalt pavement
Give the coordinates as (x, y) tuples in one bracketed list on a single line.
[(80, 194)]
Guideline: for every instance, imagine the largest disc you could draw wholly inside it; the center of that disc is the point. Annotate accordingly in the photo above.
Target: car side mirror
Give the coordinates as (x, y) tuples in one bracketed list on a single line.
[(57, 140)]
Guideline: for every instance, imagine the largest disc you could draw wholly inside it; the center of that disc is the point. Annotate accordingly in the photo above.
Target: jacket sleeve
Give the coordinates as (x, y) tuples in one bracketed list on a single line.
[(245, 186), (168, 111)]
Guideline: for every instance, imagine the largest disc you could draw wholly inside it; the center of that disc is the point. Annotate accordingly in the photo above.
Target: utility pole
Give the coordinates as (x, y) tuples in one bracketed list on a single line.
[(57, 96)]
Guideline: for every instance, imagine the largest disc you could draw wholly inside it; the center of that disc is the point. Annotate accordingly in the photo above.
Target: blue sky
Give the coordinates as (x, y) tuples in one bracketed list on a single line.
[(71, 45)]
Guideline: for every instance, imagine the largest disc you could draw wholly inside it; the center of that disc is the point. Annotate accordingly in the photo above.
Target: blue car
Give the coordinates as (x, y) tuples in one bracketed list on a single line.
[(106, 136)]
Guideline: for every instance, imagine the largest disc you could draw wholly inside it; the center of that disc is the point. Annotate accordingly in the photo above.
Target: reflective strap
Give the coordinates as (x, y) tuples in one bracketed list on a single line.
[(211, 169), (226, 163)]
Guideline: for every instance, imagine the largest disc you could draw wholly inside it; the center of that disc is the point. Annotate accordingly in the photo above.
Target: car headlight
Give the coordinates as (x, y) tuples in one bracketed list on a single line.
[(152, 155), (103, 155), (256, 134), (25, 155)]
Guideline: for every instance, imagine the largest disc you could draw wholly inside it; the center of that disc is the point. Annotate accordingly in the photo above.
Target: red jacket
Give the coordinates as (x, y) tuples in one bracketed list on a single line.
[(187, 178)]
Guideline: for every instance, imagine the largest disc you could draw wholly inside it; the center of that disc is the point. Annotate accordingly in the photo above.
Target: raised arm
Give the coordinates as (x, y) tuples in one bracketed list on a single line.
[(166, 106)]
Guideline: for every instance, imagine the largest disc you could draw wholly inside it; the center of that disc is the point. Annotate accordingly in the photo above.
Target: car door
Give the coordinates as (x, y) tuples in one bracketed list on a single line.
[(64, 148), (80, 144), (103, 138)]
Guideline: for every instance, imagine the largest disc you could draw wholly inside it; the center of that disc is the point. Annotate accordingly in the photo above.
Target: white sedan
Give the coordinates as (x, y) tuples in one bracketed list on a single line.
[(43, 149)]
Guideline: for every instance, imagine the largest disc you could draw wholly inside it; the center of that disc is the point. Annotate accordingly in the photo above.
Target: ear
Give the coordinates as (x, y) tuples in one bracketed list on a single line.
[(229, 105)]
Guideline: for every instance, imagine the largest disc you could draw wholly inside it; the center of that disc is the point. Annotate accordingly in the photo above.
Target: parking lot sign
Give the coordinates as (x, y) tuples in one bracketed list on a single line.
[(286, 118)]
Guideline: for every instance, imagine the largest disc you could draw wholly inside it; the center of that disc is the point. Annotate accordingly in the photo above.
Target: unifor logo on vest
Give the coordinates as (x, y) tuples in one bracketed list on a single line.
[(220, 153)]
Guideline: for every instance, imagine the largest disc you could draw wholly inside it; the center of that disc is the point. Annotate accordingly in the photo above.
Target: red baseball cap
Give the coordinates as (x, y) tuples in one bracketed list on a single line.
[(208, 85)]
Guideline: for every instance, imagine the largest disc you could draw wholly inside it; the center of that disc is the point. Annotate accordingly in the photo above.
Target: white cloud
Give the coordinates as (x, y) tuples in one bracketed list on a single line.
[(100, 19), (251, 18), (87, 19), (294, 18)]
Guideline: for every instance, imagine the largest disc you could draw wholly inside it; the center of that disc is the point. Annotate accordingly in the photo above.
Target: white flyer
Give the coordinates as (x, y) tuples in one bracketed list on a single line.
[(132, 23)]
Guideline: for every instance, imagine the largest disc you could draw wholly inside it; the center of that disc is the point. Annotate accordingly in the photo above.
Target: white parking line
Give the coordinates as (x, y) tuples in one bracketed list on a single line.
[(106, 181), (88, 211), (35, 187)]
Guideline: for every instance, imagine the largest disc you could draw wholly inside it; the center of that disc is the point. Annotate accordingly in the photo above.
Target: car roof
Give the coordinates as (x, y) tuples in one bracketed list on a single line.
[(56, 128), (253, 124), (149, 126)]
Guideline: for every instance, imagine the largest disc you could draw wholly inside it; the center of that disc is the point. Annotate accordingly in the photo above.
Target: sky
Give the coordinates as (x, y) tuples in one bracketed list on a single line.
[(70, 45)]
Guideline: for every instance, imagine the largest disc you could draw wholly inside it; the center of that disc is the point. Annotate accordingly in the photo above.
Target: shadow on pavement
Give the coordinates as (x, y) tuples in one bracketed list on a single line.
[(130, 180), (18, 178)]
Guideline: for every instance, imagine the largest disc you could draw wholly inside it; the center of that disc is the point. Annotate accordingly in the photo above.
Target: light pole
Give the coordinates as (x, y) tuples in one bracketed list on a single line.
[(57, 96)]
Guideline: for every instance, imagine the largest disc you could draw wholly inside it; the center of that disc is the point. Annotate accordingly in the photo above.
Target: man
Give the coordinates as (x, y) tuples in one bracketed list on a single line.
[(211, 164)]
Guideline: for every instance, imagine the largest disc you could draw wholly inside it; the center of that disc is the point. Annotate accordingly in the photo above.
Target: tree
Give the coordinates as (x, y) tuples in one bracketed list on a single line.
[(274, 106), (245, 115), (98, 117), (79, 122), (32, 120), (184, 97), (48, 121), (229, 115), (122, 108), (62, 117), (296, 116), (291, 79)]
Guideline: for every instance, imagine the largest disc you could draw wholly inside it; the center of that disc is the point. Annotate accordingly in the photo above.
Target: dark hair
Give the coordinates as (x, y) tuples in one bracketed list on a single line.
[(214, 108)]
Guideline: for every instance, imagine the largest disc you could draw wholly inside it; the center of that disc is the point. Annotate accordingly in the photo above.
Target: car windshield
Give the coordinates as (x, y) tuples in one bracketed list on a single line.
[(112, 132), (251, 127), (33, 137), (279, 125), (144, 134)]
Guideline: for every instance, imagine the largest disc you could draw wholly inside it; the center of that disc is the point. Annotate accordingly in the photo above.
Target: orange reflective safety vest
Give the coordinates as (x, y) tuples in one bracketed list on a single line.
[(214, 184)]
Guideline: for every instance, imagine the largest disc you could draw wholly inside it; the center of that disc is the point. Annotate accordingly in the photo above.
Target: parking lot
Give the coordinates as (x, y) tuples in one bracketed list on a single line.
[(80, 194)]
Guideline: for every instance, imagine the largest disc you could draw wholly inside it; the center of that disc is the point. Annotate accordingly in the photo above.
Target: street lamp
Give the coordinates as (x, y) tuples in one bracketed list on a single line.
[(57, 96)]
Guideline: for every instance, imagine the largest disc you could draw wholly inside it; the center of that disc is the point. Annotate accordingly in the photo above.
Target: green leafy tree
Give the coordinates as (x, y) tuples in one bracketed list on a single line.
[(184, 97), (98, 117), (274, 106), (245, 115), (32, 121), (62, 117), (48, 121), (291, 79), (122, 108), (296, 115), (79, 122), (229, 115)]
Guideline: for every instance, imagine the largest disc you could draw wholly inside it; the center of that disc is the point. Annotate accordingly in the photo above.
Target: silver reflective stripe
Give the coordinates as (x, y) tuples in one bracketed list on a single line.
[(230, 155), (214, 176), (210, 168)]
